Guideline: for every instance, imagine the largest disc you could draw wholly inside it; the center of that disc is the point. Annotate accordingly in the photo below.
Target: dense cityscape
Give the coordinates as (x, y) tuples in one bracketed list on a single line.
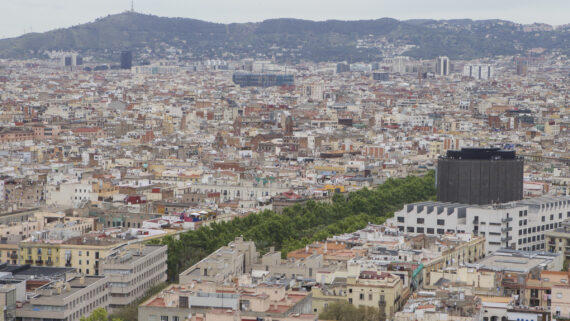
[(177, 187)]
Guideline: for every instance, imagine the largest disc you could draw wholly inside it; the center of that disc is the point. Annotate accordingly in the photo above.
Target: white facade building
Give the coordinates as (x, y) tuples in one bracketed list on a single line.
[(517, 225), (479, 71)]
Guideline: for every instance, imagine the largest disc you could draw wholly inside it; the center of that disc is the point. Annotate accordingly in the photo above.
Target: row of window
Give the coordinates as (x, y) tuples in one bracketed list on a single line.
[(429, 230), (420, 220), (535, 229)]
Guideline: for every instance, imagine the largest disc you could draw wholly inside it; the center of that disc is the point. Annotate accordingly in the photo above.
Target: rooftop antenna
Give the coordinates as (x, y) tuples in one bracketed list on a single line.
[(132, 5)]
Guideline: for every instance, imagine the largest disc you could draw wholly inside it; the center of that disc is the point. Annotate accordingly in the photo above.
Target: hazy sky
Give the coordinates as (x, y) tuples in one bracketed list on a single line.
[(22, 16)]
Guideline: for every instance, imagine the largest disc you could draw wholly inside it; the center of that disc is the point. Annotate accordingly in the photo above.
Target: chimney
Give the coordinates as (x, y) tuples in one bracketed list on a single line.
[(82, 280)]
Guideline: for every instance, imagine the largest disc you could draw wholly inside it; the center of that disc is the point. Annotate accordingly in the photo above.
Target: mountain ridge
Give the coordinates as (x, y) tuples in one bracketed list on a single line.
[(295, 39)]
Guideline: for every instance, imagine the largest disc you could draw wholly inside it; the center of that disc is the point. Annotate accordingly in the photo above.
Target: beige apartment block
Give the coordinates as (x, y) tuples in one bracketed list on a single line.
[(178, 302), (373, 289), (560, 305), (82, 253), (466, 276)]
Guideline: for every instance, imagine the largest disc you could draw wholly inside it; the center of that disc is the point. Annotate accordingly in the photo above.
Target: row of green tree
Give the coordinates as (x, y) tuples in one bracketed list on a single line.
[(300, 225)]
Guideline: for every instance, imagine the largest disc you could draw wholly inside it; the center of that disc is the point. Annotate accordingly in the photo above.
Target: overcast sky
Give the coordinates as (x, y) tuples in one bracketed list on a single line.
[(22, 16)]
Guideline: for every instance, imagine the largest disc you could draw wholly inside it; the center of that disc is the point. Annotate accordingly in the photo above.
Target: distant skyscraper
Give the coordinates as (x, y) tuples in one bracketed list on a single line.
[(126, 60), (522, 67), (479, 71), (342, 68), (442, 66), (382, 76)]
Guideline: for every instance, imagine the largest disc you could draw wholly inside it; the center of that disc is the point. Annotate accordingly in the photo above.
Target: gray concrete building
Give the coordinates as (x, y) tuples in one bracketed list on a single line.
[(66, 300), (132, 271), (232, 260)]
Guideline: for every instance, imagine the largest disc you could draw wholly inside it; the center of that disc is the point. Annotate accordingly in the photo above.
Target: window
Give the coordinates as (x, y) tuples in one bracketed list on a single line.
[(440, 222), (361, 296), (163, 318), (420, 220), (420, 230), (544, 218), (410, 229), (370, 297), (430, 230), (440, 231), (400, 219)]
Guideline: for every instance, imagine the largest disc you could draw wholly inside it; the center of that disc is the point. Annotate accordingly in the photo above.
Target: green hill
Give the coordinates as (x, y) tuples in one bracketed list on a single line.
[(287, 39)]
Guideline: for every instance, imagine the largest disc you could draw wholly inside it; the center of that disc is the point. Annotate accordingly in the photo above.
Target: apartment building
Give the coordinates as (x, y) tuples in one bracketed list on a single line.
[(458, 252), (241, 191), (132, 271), (271, 262), (558, 240), (8, 303), (376, 289), (560, 302), (520, 225), (270, 301), (66, 300), (82, 253)]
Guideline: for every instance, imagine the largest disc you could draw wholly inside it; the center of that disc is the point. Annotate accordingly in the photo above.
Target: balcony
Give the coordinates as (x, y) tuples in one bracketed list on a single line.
[(14, 256), (49, 263), (29, 261), (507, 219), (506, 239), (506, 229), (39, 262)]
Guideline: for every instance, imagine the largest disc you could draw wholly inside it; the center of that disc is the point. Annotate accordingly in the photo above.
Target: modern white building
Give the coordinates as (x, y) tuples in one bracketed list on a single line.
[(479, 71), (519, 225)]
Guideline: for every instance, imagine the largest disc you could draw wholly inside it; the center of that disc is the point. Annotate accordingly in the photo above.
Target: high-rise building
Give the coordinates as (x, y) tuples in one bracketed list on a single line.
[(262, 80), (480, 176), (479, 71), (522, 67), (442, 66), (382, 76), (126, 60), (342, 68)]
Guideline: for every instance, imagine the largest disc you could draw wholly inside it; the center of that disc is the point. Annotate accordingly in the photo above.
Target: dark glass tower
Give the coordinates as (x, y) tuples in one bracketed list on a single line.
[(480, 176)]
